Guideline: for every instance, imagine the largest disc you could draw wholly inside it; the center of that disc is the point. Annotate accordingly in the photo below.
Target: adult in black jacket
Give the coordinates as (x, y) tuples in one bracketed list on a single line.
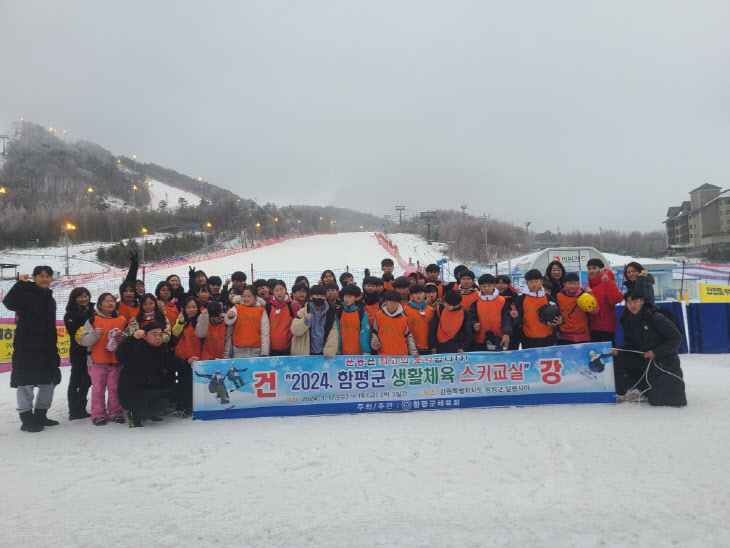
[(147, 380), (35, 352), (657, 370), (638, 281), (555, 274), (78, 312)]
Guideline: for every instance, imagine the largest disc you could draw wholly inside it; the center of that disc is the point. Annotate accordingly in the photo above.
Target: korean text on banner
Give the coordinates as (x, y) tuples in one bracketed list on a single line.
[(313, 385), (7, 331), (714, 293)]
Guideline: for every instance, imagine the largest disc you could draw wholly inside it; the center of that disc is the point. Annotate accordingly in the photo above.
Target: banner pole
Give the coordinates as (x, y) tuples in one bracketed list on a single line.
[(686, 325)]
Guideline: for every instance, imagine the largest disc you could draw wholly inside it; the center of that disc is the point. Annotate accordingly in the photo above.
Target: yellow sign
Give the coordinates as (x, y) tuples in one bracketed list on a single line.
[(714, 293), (7, 338)]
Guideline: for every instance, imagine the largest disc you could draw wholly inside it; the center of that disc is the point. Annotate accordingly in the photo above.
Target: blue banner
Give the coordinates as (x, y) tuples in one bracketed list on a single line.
[(314, 385)]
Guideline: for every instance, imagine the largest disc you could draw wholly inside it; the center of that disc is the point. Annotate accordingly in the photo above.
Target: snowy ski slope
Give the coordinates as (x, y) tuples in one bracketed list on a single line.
[(160, 191), (561, 476)]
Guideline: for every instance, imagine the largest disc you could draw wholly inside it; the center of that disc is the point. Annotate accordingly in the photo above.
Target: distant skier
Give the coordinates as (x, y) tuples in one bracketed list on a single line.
[(236, 379)]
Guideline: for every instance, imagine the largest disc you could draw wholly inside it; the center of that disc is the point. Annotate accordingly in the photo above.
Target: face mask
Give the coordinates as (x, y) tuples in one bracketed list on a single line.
[(319, 303)]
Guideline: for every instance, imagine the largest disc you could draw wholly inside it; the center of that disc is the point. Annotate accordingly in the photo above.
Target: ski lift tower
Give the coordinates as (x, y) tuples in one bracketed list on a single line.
[(427, 216)]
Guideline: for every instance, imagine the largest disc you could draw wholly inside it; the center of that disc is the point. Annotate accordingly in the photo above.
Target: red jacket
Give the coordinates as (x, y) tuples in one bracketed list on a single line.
[(608, 296)]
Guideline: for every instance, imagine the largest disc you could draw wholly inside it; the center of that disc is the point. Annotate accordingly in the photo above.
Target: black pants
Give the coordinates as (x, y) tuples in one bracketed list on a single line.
[(664, 378), (184, 392), (280, 352), (78, 384), (528, 342), (146, 402), (604, 336)]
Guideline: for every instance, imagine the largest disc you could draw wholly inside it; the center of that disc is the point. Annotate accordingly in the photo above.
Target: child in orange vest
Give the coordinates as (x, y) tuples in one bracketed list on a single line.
[(574, 329), (432, 295), (402, 285), (188, 345), (387, 266), (150, 311), (281, 313), (102, 334), (371, 297), (419, 316), (488, 325), (446, 335), (251, 334), (216, 335), (469, 292), (128, 305), (525, 311), (353, 324), (432, 277), (390, 334)]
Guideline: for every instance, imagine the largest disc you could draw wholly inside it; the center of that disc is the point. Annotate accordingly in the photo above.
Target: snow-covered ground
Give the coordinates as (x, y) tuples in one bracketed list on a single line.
[(160, 191), (308, 254), (591, 475), (82, 258)]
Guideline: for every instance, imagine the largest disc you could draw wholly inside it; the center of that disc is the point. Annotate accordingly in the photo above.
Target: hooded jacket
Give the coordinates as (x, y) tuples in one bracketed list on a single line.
[(608, 296), (300, 344)]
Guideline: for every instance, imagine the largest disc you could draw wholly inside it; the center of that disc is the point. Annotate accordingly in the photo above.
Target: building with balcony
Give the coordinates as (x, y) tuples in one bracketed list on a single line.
[(700, 223)]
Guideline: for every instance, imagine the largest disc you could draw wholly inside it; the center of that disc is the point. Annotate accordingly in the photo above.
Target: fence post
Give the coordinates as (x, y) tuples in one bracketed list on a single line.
[(686, 325), (251, 272)]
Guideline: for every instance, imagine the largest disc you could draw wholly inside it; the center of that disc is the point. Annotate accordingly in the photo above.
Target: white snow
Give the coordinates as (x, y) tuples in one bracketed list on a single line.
[(160, 191), (591, 475), (299, 255), (82, 258)]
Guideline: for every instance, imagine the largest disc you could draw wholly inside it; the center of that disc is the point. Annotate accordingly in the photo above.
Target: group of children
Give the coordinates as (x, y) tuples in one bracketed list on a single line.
[(415, 314)]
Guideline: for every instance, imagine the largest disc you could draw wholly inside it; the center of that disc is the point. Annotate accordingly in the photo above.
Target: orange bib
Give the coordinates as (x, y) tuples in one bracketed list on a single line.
[(531, 324), (450, 321), (350, 333), (247, 329), (392, 334), (489, 315), (214, 343), (99, 353), (419, 324)]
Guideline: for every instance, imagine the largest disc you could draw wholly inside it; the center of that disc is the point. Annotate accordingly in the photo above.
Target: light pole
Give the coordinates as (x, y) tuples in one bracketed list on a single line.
[(276, 220), (400, 209), (428, 215), (486, 236), (527, 235), (600, 238), (205, 233), (258, 231), (144, 241), (299, 222), (463, 211), (66, 230)]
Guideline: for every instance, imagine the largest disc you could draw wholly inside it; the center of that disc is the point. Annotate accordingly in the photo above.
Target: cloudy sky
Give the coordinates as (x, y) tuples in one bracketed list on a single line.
[(572, 114)]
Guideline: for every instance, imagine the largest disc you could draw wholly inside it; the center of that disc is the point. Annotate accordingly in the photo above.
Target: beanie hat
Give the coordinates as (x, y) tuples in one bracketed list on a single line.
[(453, 298)]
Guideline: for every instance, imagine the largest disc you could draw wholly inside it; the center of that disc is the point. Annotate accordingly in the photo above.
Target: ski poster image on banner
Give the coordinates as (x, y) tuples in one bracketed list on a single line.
[(314, 385)]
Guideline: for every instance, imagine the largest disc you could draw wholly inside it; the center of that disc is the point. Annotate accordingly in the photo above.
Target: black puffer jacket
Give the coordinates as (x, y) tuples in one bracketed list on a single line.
[(145, 366), (643, 286), (651, 330), (74, 319), (35, 351)]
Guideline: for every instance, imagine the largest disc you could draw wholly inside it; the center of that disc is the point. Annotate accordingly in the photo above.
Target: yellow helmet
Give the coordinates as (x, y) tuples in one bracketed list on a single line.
[(587, 302)]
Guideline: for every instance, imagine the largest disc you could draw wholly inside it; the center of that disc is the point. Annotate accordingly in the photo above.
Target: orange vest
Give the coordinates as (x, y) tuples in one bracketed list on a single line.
[(392, 334), (280, 328), (127, 311), (419, 324), (532, 327), (247, 329), (468, 300), (99, 353), (189, 344), (489, 316), (388, 286), (575, 320), (172, 313), (350, 333), (450, 321), (214, 343), (371, 309)]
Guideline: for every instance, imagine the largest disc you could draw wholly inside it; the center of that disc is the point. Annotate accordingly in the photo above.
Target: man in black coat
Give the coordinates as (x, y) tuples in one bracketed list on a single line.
[(657, 369), (147, 380), (35, 352)]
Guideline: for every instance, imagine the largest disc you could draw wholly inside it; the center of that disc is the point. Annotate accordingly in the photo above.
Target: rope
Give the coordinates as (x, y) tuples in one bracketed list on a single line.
[(645, 375)]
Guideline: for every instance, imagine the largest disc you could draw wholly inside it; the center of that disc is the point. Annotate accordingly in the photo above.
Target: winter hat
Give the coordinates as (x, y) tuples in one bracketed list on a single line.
[(533, 274), (572, 277), (453, 298), (595, 262)]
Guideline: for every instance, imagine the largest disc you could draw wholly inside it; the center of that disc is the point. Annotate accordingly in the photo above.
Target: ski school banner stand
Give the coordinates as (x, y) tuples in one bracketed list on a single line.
[(314, 385)]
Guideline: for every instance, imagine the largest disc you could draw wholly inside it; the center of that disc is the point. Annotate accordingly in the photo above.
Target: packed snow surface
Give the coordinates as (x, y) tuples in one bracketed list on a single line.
[(160, 191), (581, 475)]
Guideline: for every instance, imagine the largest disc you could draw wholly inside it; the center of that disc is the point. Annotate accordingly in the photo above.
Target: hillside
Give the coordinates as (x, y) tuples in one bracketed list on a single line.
[(50, 182)]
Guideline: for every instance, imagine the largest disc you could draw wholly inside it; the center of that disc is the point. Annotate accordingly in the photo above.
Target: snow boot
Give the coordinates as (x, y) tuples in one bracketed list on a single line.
[(131, 420), (40, 417), (99, 421), (29, 422)]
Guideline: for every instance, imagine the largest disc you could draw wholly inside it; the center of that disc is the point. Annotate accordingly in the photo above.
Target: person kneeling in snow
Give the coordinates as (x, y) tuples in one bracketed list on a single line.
[(147, 379), (653, 365)]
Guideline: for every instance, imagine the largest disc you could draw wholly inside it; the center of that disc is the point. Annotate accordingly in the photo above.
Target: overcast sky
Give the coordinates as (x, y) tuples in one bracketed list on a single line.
[(570, 114)]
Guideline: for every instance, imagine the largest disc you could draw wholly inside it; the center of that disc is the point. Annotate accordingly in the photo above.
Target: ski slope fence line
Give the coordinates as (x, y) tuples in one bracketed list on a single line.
[(391, 248)]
